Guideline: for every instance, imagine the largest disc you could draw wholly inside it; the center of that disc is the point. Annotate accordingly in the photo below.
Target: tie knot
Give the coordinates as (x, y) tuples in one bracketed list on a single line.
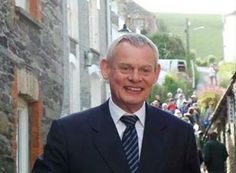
[(129, 120)]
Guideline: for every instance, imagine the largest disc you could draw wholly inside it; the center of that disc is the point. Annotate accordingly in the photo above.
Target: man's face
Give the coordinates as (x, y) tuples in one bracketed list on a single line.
[(131, 74)]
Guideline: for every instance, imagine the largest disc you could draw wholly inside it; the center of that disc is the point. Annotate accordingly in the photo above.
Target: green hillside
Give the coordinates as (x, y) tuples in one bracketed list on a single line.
[(205, 41)]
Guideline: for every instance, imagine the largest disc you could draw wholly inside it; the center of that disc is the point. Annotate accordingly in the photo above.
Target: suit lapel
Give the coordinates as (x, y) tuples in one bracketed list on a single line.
[(107, 141), (153, 142)]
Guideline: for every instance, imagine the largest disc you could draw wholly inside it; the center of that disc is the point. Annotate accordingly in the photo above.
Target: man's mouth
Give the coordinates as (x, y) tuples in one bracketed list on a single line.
[(134, 89)]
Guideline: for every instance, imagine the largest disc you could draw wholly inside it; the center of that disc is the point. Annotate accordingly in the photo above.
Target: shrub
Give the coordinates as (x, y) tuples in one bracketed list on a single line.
[(201, 62), (211, 59), (226, 71), (173, 81), (209, 95)]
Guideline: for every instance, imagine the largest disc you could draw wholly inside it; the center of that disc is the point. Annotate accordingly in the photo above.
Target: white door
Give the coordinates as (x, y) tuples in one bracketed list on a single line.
[(22, 138)]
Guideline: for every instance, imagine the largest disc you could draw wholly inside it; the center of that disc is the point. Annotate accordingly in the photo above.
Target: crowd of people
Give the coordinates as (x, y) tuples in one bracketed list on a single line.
[(212, 153), (183, 108)]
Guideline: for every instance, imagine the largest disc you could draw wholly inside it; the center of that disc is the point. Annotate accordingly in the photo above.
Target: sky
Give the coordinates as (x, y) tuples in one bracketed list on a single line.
[(189, 6)]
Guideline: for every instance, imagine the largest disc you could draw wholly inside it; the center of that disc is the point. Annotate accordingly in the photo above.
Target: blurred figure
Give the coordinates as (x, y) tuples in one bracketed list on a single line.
[(178, 92), (185, 118), (171, 105), (196, 116), (208, 114), (200, 142), (214, 154), (180, 101), (178, 113), (156, 104), (164, 107), (169, 96), (190, 114), (158, 99), (193, 99), (212, 73), (185, 107)]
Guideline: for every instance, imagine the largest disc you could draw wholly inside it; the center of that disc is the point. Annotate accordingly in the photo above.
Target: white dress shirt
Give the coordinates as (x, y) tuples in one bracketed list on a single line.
[(117, 113)]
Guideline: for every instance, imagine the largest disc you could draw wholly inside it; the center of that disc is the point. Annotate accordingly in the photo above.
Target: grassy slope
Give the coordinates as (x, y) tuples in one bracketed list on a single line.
[(207, 41)]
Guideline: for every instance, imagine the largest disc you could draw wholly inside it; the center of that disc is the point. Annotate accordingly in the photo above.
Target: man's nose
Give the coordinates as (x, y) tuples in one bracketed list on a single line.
[(135, 75)]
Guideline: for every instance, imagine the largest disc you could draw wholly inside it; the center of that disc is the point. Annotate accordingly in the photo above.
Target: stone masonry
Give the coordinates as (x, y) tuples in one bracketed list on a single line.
[(36, 48)]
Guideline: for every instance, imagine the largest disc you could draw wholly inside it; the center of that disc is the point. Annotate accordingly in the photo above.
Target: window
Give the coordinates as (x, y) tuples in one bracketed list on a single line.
[(22, 137), (73, 19), (74, 83), (94, 24), (32, 7), (139, 23), (23, 4)]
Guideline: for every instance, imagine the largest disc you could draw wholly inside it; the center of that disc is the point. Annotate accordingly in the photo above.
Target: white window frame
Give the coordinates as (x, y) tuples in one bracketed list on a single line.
[(94, 24), (23, 4), (74, 83), (73, 19)]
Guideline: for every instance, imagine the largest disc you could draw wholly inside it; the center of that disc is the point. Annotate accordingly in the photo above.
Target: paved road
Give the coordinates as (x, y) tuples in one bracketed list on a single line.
[(203, 78)]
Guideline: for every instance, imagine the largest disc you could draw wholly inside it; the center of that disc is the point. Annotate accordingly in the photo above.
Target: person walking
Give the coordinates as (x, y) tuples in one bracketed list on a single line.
[(214, 154), (212, 72), (124, 134)]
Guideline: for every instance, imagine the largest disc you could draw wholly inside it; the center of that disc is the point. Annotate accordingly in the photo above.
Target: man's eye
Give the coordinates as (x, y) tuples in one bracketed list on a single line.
[(125, 68), (146, 70)]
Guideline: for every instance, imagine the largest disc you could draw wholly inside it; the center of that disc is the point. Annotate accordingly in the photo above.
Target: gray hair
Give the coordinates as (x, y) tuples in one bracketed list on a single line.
[(134, 39)]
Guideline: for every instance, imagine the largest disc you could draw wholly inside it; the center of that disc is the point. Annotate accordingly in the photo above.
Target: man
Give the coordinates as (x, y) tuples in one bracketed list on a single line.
[(214, 154), (96, 140)]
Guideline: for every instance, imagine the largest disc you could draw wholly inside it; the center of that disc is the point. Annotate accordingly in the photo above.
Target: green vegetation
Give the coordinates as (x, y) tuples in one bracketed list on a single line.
[(205, 41), (206, 61), (173, 81), (170, 46), (209, 96), (226, 71)]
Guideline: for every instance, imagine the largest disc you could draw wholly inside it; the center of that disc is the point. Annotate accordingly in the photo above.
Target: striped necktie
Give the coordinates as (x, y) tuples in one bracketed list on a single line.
[(130, 142)]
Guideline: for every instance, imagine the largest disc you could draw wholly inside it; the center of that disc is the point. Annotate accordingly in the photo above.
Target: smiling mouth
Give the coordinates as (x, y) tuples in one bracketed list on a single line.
[(134, 89)]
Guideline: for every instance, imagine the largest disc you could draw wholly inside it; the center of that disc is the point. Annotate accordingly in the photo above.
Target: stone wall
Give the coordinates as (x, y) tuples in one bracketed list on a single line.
[(36, 46)]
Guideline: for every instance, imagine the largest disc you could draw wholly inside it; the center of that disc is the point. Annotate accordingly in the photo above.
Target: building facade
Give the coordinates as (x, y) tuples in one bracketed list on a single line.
[(229, 36), (136, 17), (93, 41), (31, 78), (49, 67)]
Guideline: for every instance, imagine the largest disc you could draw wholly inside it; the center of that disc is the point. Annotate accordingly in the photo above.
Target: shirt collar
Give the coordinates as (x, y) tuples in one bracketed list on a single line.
[(117, 112)]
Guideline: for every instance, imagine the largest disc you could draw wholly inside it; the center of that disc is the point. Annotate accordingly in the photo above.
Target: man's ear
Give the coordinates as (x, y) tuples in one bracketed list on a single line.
[(105, 69), (158, 70)]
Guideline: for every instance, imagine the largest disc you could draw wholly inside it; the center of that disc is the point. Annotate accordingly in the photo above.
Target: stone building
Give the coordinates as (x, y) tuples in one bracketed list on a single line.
[(49, 57), (229, 36), (31, 78), (89, 31), (140, 20), (136, 17), (93, 42)]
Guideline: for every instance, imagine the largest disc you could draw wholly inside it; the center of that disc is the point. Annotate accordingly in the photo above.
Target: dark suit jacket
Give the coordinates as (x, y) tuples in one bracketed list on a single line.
[(88, 142), (215, 155)]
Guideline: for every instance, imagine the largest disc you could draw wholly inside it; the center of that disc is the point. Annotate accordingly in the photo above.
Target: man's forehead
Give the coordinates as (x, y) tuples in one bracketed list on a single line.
[(133, 64)]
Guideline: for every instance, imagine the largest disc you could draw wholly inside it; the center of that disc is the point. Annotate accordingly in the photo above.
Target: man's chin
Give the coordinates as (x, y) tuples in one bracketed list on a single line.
[(134, 102)]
